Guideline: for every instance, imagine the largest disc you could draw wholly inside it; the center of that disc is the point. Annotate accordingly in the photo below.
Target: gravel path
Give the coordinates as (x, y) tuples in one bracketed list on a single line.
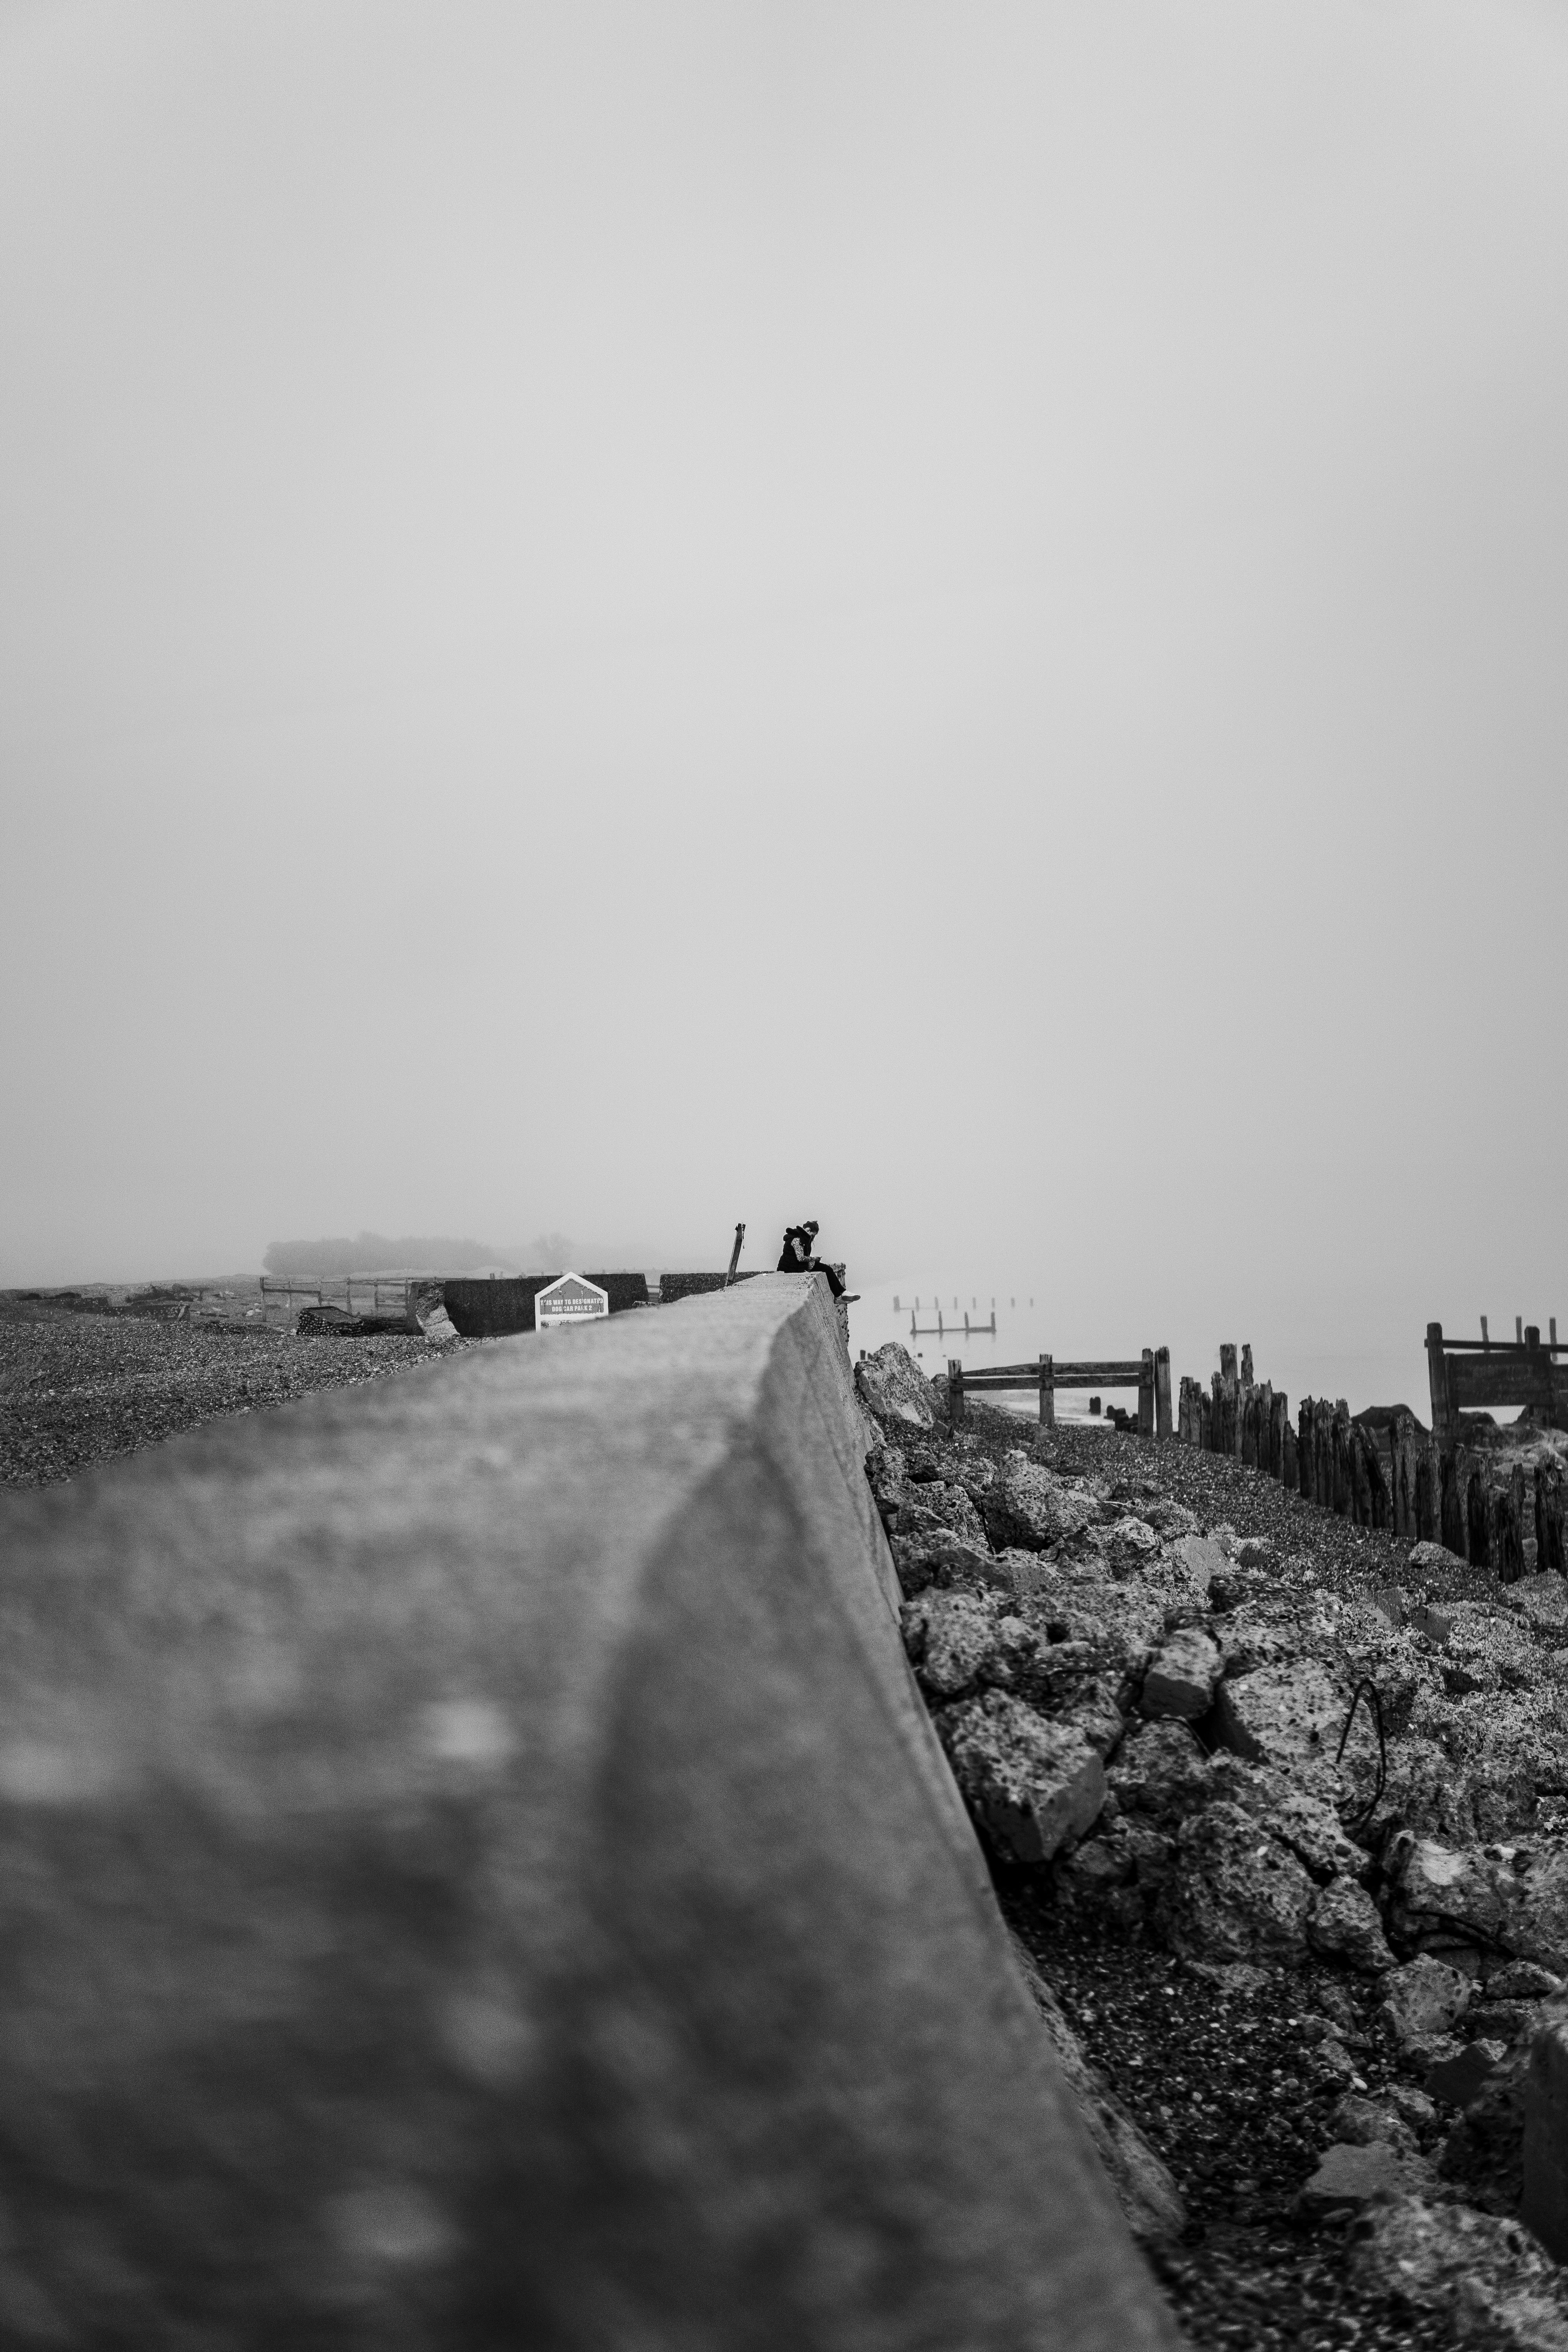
[(78, 1388)]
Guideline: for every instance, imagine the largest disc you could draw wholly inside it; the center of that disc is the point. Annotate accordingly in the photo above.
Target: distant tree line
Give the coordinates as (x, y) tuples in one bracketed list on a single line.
[(371, 1252)]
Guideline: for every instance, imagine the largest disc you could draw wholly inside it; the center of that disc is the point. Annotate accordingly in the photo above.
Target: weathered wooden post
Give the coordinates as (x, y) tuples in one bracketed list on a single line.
[(1549, 1544), (955, 1391), (1453, 1536), (1162, 1394), (1205, 1420), (1438, 1382), (1508, 1522), (1304, 1483), (1047, 1393), (1290, 1466), (1248, 1378), (1340, 1458), (1428, 1493), (1477, 1517), (1402, 1472), (1146, 1393), (1227, 1359)]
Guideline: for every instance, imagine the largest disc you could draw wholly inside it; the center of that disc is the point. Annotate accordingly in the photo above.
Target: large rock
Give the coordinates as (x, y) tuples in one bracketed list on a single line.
[(1181, 1676), (1032, 1508), (1353, 2173), (1432, 1560), (1033, 1785), (1199, 1558), (1293, 1713), (1480, 2271), (1344, 1926), (934, 1555), (1235, 1895), (1127, 1546), (1423, 1998), (948, 1638), (950, 1505), (1508, 1898), (1458, 2079), (891, 1382), (1546, 2204), (1162, 1772), (1358, 2121)]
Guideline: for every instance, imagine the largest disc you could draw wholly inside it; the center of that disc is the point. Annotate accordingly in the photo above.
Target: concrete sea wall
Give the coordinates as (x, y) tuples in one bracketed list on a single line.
[(478, 1871)]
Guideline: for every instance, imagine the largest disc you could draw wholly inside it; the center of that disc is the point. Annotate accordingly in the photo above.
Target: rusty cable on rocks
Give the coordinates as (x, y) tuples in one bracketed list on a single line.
[(1375, 1702)]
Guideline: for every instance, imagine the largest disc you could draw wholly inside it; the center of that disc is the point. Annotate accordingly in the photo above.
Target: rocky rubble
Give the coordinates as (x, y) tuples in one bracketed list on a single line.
[(1204, 1729)]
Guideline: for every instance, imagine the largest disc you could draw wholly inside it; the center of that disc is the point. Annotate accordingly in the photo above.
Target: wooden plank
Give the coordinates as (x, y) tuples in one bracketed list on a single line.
[(1162, 1393), (1510, 1377), (1067, 1376)]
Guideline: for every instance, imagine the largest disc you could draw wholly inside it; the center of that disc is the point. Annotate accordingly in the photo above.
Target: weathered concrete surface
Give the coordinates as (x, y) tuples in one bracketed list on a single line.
[(478, 1873)]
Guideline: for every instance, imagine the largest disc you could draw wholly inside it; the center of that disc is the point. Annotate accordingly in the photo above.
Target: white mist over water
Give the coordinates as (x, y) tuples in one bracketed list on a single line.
[(1364, 1374)]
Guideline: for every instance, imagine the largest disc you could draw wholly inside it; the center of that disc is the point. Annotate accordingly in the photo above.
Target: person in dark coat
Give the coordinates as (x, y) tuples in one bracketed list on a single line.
[(798, 1255)]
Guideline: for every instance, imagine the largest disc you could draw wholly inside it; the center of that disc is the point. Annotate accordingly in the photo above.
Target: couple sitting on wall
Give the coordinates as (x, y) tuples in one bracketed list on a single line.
[(799, 1244)]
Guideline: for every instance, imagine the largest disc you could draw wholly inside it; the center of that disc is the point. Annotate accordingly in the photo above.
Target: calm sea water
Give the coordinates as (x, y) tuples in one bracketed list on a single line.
[(1381, 1370)]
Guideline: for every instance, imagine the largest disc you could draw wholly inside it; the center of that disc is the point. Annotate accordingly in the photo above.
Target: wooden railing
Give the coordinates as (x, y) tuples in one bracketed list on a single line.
[(1148, 1373)]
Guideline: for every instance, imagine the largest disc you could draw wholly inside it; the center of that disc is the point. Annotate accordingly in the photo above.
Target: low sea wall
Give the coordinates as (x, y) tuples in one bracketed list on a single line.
[(478, 1871)]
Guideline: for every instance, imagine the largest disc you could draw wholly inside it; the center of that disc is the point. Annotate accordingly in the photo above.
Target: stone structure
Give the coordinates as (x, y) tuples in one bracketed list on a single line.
[(478, 1871)]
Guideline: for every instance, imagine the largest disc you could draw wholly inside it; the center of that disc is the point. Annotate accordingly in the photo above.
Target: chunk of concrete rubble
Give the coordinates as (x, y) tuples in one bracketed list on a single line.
[(1236, 1894), (1032, 1784), (1127, 1546), (1161, 1771), (1343, 1925), (929, 1554), (1414, 2108), (1431, 1559), (892, 1384), (950, 1505), (948, 1638), (1257, 1551), (1292, 1712), (1352, 2173), (1171, 1519), (1508, 1897), (1545, 2202), (1424, 1998), (1482, 2272), (1357, 2121), (1198, 1558), (435, 1322), (1031, 1508), (1525, 1980), (1306, 1823), (1181, 1676), (1148, 2196), (1463, 2077), (1543, 1600)]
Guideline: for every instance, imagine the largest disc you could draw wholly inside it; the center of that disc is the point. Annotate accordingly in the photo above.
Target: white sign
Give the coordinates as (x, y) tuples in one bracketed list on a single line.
[(569, 1300)]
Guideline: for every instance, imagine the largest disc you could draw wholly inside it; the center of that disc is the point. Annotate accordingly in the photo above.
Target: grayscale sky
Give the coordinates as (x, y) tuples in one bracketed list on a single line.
[(950, 619)]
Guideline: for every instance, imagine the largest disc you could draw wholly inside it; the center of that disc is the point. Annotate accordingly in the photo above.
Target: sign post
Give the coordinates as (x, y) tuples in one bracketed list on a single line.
[(570, 1299)]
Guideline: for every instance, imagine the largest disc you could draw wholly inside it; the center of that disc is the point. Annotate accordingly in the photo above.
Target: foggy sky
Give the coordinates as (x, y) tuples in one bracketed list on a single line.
[(950, 620)]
